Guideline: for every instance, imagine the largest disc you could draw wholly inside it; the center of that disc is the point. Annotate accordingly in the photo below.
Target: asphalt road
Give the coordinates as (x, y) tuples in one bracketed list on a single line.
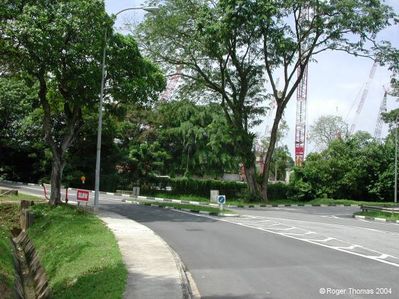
[(229, 260), (280, 252)]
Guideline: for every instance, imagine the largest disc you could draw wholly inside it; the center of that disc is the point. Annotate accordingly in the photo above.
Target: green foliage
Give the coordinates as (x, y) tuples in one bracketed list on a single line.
[(278, 191), (358, 168), (226, 48), (201, 187), (79, 254), (197, 138), (377, 214), (9, 215), (58, 46), (22, 155), (326, 129), (232, 190)]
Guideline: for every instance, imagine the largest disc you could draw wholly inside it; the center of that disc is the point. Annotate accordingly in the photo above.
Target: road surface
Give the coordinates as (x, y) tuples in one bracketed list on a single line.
[(312, 252)]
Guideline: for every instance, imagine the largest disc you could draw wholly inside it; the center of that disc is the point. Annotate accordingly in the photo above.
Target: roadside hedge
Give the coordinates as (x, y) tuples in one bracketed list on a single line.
[(232, 190)]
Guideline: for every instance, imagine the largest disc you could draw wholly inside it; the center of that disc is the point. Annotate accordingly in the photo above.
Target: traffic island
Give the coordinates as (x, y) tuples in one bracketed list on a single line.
[(379, 216), (197, 209)]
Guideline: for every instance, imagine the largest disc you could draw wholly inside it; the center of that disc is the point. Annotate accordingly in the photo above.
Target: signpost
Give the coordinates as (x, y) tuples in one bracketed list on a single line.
[(82, 196), (221, 200)]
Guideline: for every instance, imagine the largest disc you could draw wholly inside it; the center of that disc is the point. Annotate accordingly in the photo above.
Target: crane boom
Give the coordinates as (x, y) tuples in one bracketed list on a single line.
[(301, 106), (364, 96), (300, 127), (383, 108)]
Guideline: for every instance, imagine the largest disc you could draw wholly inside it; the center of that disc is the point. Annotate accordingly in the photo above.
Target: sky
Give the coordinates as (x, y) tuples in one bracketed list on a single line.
[(335, 82)]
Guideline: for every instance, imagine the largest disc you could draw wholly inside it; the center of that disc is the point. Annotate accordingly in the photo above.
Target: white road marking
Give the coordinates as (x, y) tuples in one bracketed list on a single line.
[(325, 240)]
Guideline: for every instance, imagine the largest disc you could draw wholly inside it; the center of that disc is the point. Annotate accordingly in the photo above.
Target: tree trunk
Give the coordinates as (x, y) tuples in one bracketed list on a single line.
[(56, 178), (73, 115), (250, 176), (270, 150)]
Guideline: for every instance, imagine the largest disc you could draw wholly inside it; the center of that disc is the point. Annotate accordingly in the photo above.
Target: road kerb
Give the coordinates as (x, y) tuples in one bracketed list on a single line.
[(375, 219), (162, 277)]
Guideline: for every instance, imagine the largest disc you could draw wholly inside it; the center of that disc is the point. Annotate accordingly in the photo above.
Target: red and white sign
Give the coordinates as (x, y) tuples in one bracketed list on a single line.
[(82, 195)]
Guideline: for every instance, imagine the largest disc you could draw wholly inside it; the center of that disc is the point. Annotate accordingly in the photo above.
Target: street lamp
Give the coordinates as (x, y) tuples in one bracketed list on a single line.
[(396, 161), (100, 107)]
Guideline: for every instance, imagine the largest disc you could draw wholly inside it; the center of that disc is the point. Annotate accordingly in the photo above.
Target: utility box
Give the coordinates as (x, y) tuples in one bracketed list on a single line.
[(136, 191), (214, 196)]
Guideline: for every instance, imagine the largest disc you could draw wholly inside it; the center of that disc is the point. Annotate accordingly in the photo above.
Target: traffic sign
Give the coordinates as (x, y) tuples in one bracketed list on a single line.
[(83, 195), (221, 199)]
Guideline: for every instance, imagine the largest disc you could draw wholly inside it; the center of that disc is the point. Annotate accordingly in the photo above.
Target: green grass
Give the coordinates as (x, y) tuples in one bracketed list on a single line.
[(20, 197), (349, 202), (9, 217), (377, 214), (79, 253), (318, 201), (192, 208), (6, 265), (188, 197)]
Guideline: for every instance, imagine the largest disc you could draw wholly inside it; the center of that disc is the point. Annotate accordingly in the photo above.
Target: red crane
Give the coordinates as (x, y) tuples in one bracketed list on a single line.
[(302, 94), (172, 84), (300, 127)]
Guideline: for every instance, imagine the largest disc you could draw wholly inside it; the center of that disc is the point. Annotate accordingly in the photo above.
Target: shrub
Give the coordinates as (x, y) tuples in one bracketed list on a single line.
[(201, 187), (278, 191)]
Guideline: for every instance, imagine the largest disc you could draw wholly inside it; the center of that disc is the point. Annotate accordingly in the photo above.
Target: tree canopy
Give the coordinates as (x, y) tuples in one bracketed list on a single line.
[(58, 46), (326, 129), (230, 47)]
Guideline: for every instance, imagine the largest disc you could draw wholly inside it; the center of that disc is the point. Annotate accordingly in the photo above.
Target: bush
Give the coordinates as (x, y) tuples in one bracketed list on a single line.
[(180, 186), (232, 190), (278, 191)]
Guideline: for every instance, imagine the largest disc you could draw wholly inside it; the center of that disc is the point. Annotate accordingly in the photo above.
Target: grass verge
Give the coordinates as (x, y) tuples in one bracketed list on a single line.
[(377, 214), (188, 197), (19, 197), (9, 216), (191, 208), (317, 201), (78, 252)]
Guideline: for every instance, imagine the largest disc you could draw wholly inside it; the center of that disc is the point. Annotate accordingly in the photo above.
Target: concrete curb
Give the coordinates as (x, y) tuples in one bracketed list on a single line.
[(182, 209), (375, 219), (154, 269), (206, 204)]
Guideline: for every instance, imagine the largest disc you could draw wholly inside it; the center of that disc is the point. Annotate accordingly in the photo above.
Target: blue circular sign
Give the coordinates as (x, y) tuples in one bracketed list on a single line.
[(222, 199)]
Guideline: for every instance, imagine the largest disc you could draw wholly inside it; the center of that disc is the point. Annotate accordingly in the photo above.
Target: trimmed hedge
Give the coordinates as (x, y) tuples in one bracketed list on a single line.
[(232, 190), (278, 191), (203, 187)]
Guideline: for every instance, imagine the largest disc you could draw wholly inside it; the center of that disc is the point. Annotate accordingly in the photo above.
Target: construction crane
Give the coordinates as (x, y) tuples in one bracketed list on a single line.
[(363, 97), (302, 94), (383, 108), (172, 84), (300, 127)]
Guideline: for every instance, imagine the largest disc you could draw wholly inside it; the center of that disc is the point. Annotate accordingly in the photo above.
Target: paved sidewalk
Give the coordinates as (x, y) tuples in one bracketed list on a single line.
[(154, 270)]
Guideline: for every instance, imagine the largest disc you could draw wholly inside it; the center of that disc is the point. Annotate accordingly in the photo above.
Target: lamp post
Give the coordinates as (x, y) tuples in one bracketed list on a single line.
[(396, 161), (100, 107)]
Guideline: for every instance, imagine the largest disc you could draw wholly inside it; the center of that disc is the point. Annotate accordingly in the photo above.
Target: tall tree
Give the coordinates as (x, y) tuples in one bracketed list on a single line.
[(221, 63), (358, 168), (59, 44), (197, 137), (226, 47), (326, 129), (21, 148)]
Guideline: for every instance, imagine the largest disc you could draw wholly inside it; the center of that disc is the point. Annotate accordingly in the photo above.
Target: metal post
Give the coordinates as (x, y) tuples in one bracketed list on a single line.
[(100, 107), (396, 162), (100, 125)]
